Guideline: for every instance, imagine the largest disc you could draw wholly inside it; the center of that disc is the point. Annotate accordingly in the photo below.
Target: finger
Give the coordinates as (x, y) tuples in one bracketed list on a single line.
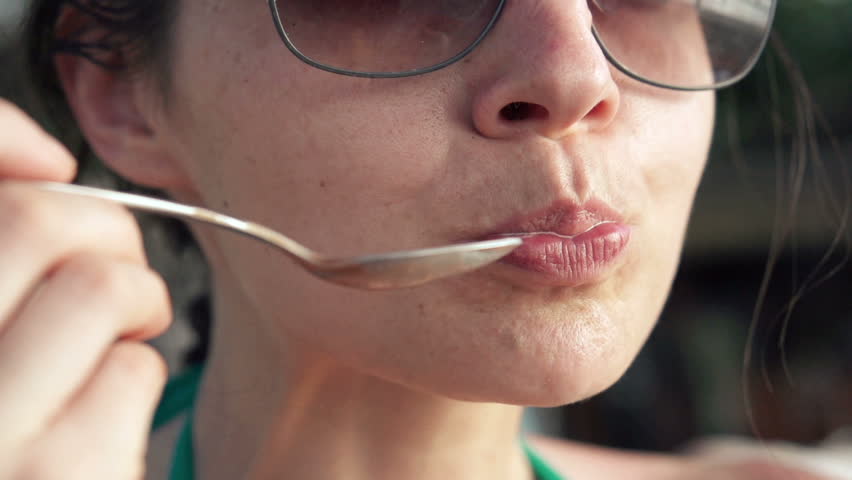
[(40, 229), (56, 340), (102, 432), (27, 152), (772, 469), (751, 469)]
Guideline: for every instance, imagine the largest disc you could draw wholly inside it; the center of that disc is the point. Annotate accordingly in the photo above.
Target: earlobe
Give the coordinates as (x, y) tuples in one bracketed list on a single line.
[(107, 106)]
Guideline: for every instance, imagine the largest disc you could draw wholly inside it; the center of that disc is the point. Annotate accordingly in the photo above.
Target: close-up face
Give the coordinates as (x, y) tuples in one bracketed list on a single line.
[(534, 131)]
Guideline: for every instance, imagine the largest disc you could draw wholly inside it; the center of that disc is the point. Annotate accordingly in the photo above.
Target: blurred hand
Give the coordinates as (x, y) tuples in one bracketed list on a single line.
[(77, 384), (758, 469)]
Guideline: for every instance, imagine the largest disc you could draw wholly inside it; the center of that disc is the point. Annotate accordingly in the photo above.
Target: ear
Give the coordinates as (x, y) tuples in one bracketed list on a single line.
[(109, 109)]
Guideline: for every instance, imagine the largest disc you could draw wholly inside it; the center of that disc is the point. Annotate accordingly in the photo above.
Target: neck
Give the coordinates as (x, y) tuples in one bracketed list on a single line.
[(271, 409)]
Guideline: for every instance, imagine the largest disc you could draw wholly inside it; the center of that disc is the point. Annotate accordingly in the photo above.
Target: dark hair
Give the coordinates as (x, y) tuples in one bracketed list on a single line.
[(799, 148), (130, 37), (124, 35)]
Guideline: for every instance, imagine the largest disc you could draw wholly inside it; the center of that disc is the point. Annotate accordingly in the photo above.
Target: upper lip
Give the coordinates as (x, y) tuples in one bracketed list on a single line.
[(562, 217)]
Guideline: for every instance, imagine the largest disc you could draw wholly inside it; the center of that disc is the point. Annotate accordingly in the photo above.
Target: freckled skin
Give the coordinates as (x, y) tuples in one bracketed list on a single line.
[(352, 166)]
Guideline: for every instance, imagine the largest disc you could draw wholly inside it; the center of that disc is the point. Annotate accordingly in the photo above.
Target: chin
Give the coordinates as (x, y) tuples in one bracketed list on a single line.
[(556, 386), (536, 388), (577, 385), (546, 369)]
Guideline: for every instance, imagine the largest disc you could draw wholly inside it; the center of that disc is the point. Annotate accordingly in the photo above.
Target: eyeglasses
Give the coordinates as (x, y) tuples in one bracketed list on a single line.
[(675, 44)]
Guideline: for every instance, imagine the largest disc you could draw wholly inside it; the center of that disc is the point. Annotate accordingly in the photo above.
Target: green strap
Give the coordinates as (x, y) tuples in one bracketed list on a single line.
[(179, 395), (183, 462), (542, 470)]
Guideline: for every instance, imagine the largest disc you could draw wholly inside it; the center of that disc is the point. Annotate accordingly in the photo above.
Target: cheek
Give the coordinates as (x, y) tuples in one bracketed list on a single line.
[(329, 157), (669, 142), (274, 140), (671, 131), (671, 174)]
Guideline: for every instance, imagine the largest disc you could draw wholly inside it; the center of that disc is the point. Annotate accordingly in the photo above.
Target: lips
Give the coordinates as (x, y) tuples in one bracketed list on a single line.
[(567, 244)]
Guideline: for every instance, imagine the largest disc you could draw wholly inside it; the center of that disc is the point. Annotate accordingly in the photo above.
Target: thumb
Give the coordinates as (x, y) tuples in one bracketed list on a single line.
[(27, 152)]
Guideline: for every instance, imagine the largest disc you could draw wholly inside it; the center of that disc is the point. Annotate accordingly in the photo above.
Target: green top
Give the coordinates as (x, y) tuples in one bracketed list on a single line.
[(179, 396)]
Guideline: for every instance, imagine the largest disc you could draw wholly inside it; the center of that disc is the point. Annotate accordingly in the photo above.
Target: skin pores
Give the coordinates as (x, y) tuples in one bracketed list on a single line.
[(350, 166)]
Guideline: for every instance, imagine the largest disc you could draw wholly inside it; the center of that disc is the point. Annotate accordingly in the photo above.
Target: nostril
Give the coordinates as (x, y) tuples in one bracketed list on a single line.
[(516, 111)]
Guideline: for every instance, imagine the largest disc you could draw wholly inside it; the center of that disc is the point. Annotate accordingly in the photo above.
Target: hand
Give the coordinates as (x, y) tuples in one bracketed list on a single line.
[(743, 458), (746, 469), (77, 384)]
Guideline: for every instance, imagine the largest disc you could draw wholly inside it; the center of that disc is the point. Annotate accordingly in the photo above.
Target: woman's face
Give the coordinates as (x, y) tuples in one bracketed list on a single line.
[(351, 166)]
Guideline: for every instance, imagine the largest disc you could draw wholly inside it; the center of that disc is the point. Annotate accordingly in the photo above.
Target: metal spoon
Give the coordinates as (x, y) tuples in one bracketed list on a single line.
[(374, 272)]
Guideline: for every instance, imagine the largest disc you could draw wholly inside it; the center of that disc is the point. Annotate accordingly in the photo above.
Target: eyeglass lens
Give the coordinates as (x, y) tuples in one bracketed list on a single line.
[(680, 43), (683, 43), (383, 35)]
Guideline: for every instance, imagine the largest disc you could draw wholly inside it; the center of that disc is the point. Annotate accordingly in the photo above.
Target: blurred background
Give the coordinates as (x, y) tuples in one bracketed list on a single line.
[(688, 381)]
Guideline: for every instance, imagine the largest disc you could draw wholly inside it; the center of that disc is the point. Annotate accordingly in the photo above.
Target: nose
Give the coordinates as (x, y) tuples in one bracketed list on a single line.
[(544, 73)]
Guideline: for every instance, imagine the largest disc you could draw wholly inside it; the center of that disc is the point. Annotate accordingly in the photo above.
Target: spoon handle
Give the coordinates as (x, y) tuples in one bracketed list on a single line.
[(188, 212)]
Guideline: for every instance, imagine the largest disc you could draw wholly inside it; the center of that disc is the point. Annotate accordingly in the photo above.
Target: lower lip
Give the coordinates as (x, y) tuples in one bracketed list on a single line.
[(571, 261)]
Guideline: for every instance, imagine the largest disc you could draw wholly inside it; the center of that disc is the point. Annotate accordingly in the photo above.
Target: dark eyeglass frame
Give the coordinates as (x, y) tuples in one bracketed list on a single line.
[(279, 26)]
